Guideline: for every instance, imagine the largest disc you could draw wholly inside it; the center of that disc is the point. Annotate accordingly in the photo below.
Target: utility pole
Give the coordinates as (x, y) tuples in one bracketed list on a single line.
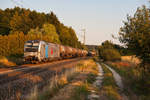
[(84, 31)]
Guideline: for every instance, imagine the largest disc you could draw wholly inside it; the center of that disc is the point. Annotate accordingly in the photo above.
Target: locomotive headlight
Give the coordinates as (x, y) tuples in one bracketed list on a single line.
[(26, 54)]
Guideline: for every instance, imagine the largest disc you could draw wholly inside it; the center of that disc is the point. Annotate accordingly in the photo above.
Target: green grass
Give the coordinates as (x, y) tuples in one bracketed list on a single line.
[(91, 78), (80, 92), (109, 88), (108, 77), (135, 80), (49, 93)]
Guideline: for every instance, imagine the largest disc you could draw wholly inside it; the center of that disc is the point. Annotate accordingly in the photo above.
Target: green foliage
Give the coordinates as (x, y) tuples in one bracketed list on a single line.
[(108, 53), (68, 36), (91, 78), (18, 25), (123, 50), (135, 80), (13, 44), (46, 30), (80, 92), (35, 31), (136, 32), (109, 88)]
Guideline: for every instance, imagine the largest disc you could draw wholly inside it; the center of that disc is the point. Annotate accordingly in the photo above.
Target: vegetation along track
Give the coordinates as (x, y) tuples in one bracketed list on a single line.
[(20, 81)]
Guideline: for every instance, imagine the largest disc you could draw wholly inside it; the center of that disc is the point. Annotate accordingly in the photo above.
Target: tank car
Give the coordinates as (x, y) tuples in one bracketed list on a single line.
[(91, 53), (79, 53), (62, 51), (68, 52), (74, 52)]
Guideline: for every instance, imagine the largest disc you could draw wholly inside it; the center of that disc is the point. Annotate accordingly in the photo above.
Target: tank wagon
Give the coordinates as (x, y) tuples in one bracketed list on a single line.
[(36, 50), (91, 53)]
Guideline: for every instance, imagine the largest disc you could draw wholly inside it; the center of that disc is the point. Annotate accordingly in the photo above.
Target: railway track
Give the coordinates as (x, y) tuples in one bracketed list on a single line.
[(33, 69), (20, 81)]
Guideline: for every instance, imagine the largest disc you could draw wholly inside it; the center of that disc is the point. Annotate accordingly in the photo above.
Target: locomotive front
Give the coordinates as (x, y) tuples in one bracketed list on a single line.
[(31, 49)]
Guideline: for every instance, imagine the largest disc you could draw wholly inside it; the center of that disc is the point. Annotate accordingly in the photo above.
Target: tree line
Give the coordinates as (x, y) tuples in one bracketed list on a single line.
[(18, 25), (135, 35)]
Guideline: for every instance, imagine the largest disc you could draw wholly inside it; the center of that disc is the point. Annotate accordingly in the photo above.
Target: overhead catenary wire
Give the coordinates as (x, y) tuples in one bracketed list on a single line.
[(16, 3), (22, 4)]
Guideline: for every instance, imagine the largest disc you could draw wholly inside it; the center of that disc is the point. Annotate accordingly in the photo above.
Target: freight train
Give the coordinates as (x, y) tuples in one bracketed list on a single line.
[(41, 51)]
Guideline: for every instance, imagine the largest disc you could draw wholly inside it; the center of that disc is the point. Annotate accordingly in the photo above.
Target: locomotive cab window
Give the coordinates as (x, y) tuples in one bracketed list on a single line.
[(31, 46), (33, 49)]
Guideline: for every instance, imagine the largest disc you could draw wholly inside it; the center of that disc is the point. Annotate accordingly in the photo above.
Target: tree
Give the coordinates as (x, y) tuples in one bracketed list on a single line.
[(21, 22), (29, 25), (4, 23), (107, 52), (35, 31), (50, 31), (135, 34), (47, 33), (73, 38)]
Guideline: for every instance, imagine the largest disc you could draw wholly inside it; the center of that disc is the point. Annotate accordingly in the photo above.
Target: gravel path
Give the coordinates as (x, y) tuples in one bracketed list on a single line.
[(118, 80), (100, 77), (116, 77), (97, 83)]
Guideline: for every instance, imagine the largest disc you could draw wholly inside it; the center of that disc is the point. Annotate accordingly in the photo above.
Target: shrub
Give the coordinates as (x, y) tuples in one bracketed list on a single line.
[(110, 55)]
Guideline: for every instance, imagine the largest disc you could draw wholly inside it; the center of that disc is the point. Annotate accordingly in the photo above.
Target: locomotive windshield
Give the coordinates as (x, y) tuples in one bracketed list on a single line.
[(32, 49), (31, 46)]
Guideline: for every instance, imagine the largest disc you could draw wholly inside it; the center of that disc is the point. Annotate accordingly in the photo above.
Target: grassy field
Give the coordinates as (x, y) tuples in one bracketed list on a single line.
[(74, 84), (109, 90), (131, 59), (137, 82)]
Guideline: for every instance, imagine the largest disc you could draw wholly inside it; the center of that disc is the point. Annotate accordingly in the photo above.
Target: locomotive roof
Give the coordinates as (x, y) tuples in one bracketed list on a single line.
[(33, 41)]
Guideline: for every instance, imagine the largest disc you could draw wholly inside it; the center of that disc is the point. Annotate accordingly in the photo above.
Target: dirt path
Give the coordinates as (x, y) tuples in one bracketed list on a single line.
[(119, 82), (117, 77), (97, 83), (100, 77)]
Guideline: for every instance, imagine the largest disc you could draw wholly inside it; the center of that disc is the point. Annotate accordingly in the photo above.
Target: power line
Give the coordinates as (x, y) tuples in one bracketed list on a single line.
[(16, 3), (23, 2)]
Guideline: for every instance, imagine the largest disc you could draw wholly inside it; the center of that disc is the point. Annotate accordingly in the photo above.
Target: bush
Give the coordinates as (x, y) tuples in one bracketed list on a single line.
[(110, 55)]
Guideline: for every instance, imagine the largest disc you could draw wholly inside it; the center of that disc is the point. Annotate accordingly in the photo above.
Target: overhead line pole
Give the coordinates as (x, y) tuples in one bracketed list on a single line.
[(84, 31)]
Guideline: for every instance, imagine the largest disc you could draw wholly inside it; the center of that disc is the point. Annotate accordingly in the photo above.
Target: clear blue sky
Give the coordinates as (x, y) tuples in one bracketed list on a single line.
[(100, 18)]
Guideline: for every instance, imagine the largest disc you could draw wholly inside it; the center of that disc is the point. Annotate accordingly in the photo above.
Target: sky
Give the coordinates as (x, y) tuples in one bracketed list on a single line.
[(100, 18)]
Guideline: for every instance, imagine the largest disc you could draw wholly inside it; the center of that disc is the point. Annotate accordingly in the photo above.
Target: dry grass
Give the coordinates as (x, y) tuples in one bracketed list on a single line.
[(55, 83), (111, 93), (82, 83), (88, 66), (10, 61), (5, 62), (131, 59), (109, 90), (120, 64), (135, 81), (69, 85)]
